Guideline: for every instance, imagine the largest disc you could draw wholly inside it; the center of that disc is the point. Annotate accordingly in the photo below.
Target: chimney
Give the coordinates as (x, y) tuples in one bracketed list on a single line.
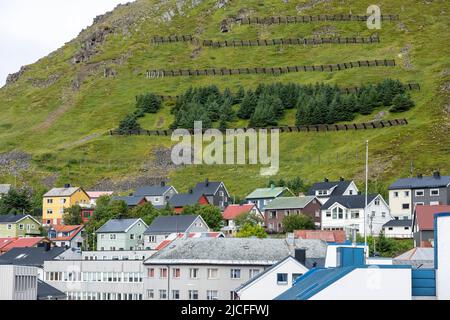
[(419, 176), (436, 175), (300, 256), (272, 186), (67, 185), (191, 191), (207, 182), (326, 180), (342, 179), (163, 183), (359, 192), (48, 246)]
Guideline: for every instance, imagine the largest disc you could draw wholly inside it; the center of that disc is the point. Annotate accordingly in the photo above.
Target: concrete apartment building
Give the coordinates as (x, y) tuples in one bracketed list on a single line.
[(211, 269), (18, 282), (97, 279)]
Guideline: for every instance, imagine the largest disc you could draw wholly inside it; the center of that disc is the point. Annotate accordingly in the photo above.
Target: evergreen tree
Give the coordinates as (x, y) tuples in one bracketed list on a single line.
[(264, 114), (149, 103), (239, 95), (248, 105), (226, 110), (401, 103), (213, 109), (129, 124)]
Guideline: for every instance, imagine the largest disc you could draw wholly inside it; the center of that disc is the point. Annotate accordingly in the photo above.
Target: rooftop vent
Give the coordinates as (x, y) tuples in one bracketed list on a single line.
[(420, 176), (206, 182), (326, 180), (437, 175), (342, 179), (67, 185), (163, 183)]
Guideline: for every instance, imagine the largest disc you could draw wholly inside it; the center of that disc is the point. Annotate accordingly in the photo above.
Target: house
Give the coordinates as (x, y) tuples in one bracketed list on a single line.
[(351, 280), (423, 224), (97, 279), (263, 196), (21, 225), (399, 229), (121, 234), (57, 199), (406, 193), (211, 269), (25, 243), (181, 200), (87, 211), (281, 207), (95, 195), (164, 226), (31, 257), (131, 201), (347, 213), (234, 211), (216, 193), (4, 189), (18, 282), (66, 236), (275, 280), (331, 236), (326, 189), (159, 196)]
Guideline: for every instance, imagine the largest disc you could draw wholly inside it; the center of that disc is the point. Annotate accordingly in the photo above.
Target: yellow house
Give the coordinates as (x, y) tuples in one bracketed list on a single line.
[(56, 200)]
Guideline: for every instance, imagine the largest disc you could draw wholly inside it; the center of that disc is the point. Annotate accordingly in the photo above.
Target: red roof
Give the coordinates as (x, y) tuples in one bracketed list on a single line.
[(98, 194), (424, 215), (163, 244), (23, 243), (233, 211), (74, 230), (328, 236), (6, 241)]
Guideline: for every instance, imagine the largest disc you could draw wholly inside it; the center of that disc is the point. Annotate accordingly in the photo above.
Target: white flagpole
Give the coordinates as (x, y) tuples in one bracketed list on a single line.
[(367, 189)]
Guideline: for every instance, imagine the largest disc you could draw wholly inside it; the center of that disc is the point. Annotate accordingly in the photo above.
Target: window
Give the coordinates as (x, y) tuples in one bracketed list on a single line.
[(112, 236), (63, 200), (406, 228), (131, 236), (193, 273), (434, 203), (49, 201), (49, 211), (253, 273), (390, 228), (193, 294), (176, 273), (21, 226), (272, 215), (354, 214), (383, 214), (282, 278), (176, 294), (150, 294), (406, 193), (156, 199), (162, 294), (395, 194), (419, 203), (235, 273), (152, 239), (350, 192), (338, 213), (163, 273), (221, 194), (328, 214), (151, 273), (377, 202), (213, 273), (420, 193), (434, 192), (405, 206), (295, 276), (9, 226), (211, 295)]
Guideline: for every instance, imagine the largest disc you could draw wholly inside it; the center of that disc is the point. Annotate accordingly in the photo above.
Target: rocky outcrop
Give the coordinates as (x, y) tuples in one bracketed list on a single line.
[(14, 77), (90, 44), (12, 163)]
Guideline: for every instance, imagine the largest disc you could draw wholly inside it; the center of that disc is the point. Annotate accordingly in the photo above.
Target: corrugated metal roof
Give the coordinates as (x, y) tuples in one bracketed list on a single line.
[(12, 218), (235, 210), (129, 200), (398, 223), (424, 182), (30, 256), (151, 191), (207, 187), (61, 192), (424, 215), (118, 225), (339, 187), (171, 224), (289, 203), (263, 193), (351, 202), (48, 292), (185, 199)]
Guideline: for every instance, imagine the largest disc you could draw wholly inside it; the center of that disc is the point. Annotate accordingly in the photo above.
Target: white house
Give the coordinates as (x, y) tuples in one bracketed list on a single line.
[(347, 213), (401, 229), (273, 281), (327, 189), (234, 211)]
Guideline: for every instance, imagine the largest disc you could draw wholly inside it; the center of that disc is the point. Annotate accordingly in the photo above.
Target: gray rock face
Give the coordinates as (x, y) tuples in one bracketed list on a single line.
[(89, 45), (14, 162), (14, 77)]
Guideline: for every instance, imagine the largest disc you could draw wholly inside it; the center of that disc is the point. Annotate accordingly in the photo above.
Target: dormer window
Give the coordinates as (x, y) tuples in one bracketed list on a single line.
[(322, 192)]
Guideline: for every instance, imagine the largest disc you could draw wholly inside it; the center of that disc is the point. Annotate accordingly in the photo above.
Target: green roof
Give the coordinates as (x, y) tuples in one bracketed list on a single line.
[(262, 193), (289, 203)]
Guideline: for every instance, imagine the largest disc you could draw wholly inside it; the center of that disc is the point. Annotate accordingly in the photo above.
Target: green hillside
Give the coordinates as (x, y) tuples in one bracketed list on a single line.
[(58, 111)]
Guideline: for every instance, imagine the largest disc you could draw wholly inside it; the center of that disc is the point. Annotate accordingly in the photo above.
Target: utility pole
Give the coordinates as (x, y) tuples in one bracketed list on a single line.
[(367, 189)]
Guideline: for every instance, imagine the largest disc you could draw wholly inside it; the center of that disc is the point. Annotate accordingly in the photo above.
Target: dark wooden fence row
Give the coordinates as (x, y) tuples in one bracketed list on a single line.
[(152, 74), (308, 18), (268, 42), (298, 41), (408, 86), (287, 129)]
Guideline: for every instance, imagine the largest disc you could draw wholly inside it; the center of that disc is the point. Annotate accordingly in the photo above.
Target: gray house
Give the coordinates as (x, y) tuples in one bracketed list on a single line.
[(121, 235), (326, 189), (406, 193), (216, 193), (159, 196), (164, 226)]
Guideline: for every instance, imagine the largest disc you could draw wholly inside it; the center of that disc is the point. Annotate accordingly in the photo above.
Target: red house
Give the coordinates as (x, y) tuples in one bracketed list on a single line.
[(181, 200)]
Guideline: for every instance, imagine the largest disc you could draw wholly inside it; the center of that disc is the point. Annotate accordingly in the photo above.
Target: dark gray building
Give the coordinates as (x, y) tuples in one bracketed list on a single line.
[(216, 193)]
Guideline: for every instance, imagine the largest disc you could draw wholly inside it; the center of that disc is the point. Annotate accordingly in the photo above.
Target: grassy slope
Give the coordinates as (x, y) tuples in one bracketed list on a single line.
[(62, 147)]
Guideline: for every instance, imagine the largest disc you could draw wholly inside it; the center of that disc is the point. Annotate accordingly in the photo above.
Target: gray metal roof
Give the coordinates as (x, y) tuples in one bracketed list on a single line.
[(129, 200), (424, 182), (398, 223), (207, 187), (417, 257), (4, 188), (12, 218), (340, 187), (170, 224), (351, 202), (61, 192), (118, 225), (48, 292), (152, 191), (234, 251), (185, 199), (30, 256)]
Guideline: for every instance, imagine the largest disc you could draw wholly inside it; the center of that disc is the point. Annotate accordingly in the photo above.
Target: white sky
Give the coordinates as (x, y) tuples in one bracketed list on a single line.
[(31, 29)]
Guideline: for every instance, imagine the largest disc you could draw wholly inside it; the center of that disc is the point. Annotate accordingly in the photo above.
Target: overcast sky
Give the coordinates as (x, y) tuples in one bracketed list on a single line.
[(31, 29)]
